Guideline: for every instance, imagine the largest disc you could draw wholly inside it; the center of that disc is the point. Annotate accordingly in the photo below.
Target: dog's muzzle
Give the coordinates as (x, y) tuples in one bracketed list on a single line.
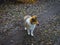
[(37, 24)]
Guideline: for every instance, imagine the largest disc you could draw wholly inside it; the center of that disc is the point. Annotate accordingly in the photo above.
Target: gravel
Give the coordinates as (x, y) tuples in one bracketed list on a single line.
[(12, 24)]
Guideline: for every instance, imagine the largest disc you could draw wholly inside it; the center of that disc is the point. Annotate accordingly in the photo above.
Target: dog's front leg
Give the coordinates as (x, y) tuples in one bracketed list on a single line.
[(32, 33), (28, 32)]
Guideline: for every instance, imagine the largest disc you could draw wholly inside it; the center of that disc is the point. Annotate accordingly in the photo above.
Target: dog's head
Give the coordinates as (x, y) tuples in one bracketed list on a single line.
[(34, 20)]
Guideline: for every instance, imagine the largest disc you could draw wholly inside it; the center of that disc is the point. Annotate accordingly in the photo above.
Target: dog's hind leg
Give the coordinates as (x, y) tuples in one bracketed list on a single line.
[(25, 28)]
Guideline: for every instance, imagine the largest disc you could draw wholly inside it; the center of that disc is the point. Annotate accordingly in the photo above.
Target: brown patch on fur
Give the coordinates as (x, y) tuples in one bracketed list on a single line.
[(34, 20)]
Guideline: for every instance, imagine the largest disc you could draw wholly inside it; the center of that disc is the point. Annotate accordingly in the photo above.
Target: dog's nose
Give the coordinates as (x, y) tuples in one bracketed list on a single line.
[(38, 24)]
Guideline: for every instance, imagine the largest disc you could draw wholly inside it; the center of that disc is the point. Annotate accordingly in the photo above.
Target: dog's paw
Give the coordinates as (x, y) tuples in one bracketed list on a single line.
[(32, 34), (28, 33)]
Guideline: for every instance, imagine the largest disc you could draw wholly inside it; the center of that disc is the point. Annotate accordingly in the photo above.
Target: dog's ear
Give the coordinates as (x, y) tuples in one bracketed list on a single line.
[(34, 16)]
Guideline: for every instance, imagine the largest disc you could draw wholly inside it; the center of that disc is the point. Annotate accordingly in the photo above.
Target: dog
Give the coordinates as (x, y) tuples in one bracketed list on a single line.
[(30, 23)]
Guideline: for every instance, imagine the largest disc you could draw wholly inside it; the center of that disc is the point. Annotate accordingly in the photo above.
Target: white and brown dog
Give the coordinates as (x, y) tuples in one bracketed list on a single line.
[(30, 23)]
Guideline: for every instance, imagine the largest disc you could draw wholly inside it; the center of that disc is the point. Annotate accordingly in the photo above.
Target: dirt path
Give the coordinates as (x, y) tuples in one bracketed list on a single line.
[(12, 25)]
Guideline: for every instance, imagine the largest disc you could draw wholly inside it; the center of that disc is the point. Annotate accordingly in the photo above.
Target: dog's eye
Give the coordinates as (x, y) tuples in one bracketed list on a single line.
[(33, 20)]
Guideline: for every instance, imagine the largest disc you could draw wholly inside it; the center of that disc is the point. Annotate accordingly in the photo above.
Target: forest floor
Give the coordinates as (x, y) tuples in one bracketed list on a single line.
[(12, 24)]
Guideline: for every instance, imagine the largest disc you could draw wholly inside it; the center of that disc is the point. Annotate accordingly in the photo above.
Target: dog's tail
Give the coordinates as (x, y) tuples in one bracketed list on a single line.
[(26, 17)]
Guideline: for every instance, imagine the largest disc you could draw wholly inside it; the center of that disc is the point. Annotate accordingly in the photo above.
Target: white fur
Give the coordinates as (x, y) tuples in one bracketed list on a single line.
[(31, 27)]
